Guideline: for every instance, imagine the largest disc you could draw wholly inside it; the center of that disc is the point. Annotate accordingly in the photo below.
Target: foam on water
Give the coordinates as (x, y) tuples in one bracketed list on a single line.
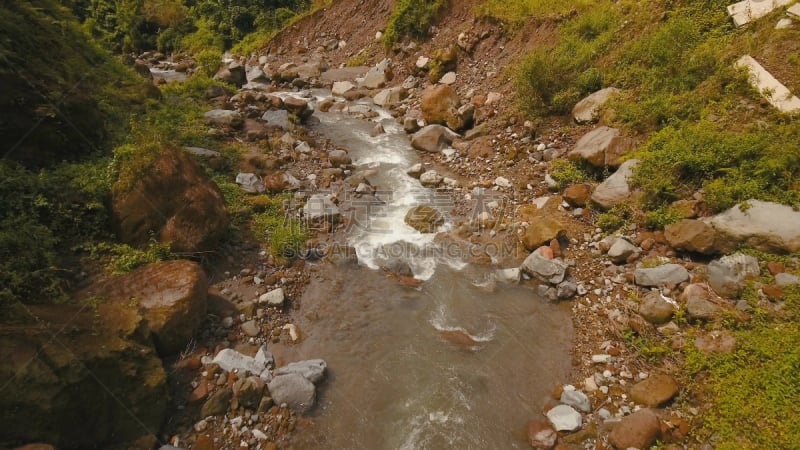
[(442, 321)]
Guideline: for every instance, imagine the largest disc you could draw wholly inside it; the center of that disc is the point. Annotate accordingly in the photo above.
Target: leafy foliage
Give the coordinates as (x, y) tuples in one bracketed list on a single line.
[(122, 258), (190, 25), (411, 18), (552, 80), (753, 391), (285, 234), (731, 166)]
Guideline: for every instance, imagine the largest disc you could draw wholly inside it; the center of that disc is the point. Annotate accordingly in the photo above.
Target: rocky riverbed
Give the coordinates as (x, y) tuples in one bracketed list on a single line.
[(228, 332)]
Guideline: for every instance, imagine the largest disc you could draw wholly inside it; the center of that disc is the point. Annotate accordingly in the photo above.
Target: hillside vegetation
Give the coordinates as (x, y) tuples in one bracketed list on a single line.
[(705, 127)]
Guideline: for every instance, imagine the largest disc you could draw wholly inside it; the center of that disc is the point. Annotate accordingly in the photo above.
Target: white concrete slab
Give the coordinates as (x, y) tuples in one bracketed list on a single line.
[(747, 11), (784, 24), (770, 88)]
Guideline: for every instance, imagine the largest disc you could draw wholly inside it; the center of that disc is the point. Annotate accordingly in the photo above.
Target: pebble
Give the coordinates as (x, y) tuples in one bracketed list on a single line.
[(600, 359)]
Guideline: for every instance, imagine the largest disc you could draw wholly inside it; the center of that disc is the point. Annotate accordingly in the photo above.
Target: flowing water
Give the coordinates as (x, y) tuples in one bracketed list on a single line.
[(460, 361)]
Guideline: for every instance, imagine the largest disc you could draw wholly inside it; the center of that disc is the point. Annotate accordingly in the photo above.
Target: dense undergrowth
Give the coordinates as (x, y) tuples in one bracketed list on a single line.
[(753, 391), (185, 25), (81, 128), (411, 18)]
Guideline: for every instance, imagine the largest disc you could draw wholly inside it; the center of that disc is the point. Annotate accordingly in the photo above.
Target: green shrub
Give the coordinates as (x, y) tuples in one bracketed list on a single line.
[(515, 12), (285, 234), (551, 80), (208, 62), (411, 18), (42, 214), (122, 258), (566, 172), (661, 217), (752, 393), (731, 166), (614, 219)]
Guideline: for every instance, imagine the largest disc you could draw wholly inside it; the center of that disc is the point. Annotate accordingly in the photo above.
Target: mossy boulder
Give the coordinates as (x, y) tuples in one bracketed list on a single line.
[(80, 377), (171, 296), (174, 200)]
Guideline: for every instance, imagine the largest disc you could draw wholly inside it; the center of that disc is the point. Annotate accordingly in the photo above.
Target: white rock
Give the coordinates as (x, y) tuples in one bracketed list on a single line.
[(448, 78), (274, 297), (502, 182), (258, 434), (564, 418), (576, 399), (601, 359)]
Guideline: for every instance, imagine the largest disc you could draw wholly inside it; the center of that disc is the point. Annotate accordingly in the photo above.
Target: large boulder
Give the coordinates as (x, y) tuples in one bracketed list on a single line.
[(80, 377), (173, 200), (588, 109), (294, 390), (378, 76), (433, 138), (224, 118), (342, 87), (615, 189), (728, 274), (601, 147), (655, 390), (551, 271), (320, 208), (171, 297), (663, 275), (766, 226), (312, 370), (691, 235), (540, 231), (233, 73), (639, 430), (391, 96), (439, 104), (424, 218), (656, 309)]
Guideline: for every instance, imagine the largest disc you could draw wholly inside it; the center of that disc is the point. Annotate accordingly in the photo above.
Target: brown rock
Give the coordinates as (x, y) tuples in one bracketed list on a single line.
[(578, 194), (459, 337), (205, 442), (655, 390), (171, 295), (701, 302), (773, 292), (691, 235), (173, 199), (655, 309), (639, 430), (439, 104), (716, 342), (298, 107), (424, 218), (100, 383), (541, 435), (541, 231), (775, 267), (277, 182), (218, 403), (249, 391)]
